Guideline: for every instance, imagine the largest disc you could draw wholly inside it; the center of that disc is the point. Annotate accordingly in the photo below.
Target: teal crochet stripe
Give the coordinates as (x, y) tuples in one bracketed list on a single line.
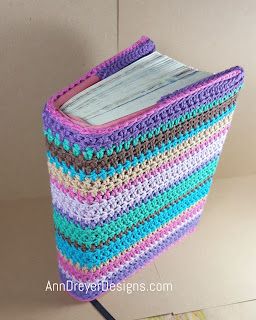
[(103, 174), (91, 259), (99, 234), (89, 152)]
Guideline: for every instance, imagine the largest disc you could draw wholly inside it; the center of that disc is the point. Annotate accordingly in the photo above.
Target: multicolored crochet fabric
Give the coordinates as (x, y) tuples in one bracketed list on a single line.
[(124, 191)]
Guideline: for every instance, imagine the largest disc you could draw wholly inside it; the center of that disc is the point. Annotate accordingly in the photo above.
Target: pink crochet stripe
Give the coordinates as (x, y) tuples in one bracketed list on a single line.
[(122, 259), (90, 199)]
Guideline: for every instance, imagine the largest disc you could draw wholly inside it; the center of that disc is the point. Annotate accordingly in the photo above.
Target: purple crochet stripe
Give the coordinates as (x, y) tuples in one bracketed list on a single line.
[(171, 112), (126, 272), (125, 58)]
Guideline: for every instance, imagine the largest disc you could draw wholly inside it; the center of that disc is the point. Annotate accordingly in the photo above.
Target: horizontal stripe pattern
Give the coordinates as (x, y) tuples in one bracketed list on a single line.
[(93, 176), (134, 150), (87, 275), (123, 193), (94, 191), (95, 258), (132, 197), (149, 244)]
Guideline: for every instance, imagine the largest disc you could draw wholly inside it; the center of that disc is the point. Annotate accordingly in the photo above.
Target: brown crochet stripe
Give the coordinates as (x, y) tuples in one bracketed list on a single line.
[(94, 247), (107, 161)]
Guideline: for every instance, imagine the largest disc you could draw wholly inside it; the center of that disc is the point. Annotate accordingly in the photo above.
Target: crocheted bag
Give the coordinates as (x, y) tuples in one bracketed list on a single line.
[(122, 192)]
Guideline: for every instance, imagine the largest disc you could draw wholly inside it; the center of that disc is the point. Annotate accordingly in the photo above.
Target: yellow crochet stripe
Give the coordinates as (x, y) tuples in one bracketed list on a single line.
[(87, 186)]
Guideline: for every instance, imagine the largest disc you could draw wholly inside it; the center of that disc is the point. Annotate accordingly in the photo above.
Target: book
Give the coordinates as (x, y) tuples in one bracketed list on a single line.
[(133, 88), (132, 148)]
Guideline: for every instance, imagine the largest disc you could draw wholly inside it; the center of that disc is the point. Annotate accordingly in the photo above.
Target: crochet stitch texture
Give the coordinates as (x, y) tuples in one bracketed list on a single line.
[(124, 192)]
